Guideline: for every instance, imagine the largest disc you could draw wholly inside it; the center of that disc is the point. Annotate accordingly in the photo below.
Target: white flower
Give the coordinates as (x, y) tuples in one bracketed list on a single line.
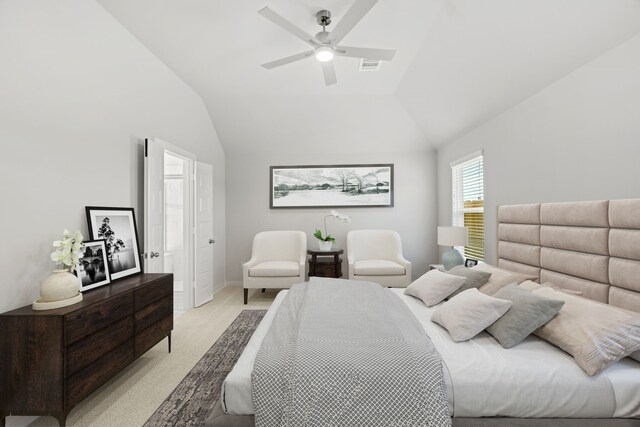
[(67, 249), (337, 215)]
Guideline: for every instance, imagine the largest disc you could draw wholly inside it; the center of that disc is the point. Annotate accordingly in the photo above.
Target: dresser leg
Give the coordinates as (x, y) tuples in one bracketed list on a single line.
[(169, 341), (3, 420)]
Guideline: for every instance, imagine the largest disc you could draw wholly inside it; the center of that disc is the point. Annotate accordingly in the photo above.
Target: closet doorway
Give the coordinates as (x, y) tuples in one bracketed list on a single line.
[(178, 222)]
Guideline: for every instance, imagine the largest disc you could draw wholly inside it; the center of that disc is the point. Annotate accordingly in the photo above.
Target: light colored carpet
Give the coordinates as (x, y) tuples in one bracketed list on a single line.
[(129, 399), (196, 396)]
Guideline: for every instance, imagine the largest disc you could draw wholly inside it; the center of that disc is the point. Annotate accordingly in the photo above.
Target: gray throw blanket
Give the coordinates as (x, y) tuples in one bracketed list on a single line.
[(347, 353)]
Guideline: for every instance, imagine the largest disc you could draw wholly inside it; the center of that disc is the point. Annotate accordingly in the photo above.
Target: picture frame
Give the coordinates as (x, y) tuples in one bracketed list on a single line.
[(117, 226), (470, 262), (93, 268), (331, 186)]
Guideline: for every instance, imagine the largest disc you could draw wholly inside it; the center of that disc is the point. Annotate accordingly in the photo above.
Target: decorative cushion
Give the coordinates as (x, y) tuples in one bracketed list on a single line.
[(500, 278), (469, 313), (377, 267), (434, 286), (527, 313), (275, 269), (595, 334), (530, 286), (474, 278)]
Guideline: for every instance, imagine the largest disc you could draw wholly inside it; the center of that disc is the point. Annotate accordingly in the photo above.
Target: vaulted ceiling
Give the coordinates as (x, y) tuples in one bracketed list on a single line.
[(458, 63)]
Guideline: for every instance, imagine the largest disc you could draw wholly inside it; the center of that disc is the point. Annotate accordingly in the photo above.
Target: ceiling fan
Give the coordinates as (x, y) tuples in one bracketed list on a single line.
[(325, 45)]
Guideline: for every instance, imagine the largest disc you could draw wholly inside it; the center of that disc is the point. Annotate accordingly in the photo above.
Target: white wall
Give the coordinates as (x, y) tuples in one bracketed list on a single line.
[(78, 95), (578, 139), (414, 214)]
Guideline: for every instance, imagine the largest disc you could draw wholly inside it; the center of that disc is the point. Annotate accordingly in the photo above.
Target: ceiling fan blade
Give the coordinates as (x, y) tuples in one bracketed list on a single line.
[(287, 60), (350, 19), (288, 26), (329, 71), (363, 52)]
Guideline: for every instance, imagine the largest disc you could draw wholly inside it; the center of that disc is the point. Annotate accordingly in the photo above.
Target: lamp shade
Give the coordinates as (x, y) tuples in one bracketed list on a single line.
[(453, 236)]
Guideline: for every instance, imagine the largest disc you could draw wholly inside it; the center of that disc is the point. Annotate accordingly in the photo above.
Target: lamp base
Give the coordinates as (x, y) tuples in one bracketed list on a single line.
[(451, 258)]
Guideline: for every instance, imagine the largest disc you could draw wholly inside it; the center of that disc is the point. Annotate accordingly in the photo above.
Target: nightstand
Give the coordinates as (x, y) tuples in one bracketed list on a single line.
[(325, 263)]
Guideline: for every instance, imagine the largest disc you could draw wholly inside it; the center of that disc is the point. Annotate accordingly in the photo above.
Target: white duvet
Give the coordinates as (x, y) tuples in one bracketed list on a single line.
[(533, 379)]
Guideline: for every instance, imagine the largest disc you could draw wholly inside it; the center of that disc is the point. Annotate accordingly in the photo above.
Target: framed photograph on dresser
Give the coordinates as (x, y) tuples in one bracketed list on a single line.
[(117, 226), (93, 266)]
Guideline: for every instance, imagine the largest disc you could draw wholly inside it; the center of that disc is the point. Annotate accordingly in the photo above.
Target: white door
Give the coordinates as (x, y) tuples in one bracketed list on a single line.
[(153, 207), (204, 233)]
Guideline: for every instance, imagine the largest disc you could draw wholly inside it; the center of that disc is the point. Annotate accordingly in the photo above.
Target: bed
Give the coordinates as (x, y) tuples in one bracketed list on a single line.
[(589, 247)]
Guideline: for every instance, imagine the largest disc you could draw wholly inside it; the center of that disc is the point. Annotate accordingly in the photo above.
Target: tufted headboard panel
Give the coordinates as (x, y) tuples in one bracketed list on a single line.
[(591, 247)]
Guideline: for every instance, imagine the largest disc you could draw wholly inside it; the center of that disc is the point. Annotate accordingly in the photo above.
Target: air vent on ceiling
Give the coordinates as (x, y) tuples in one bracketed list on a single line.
[(369, 64)]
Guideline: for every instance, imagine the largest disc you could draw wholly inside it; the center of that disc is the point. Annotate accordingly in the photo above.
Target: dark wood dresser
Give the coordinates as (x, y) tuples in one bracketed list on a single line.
[(51, 360)]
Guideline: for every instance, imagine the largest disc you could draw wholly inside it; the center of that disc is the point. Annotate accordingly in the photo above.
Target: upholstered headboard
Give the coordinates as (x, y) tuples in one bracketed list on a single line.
[(592, 247)]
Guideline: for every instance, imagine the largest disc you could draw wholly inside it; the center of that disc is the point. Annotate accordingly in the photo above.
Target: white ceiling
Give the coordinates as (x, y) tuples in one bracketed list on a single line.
[(458, 63)]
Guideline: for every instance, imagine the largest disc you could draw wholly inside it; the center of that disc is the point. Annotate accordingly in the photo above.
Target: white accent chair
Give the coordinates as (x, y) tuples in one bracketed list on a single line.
[(376, 256), (278, 260)]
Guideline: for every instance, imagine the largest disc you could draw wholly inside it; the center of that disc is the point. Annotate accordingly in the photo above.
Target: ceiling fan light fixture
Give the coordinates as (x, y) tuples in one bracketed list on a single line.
[(324, 53)]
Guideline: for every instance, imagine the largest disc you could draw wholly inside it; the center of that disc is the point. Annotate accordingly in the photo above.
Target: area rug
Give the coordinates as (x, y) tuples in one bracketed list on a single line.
[(194, 398)]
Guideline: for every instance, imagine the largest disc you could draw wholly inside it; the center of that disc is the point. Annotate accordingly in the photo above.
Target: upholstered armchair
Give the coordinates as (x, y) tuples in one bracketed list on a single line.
[(278, 260), (376, 256)]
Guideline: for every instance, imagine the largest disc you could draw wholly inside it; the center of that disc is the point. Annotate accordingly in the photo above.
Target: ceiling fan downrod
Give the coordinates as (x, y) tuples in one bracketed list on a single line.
[(323, 18)]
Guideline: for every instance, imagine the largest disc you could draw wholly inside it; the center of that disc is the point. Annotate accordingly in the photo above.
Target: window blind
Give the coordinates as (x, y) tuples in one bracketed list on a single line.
[(468, 202)]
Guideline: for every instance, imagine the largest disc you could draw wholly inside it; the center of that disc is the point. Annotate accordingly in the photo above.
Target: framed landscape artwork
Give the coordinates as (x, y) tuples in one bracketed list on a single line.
[(93, 267), (117, 226), (331, 186)]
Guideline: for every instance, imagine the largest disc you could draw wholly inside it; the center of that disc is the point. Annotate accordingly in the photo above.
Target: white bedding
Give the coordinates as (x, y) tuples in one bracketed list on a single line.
[(533, 379)]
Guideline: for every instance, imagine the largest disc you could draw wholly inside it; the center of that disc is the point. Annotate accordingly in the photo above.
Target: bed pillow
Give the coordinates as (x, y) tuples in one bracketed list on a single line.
[(530, 286), (500, 278), (528, 312), (469, 313), (434, 286), (595, 334), (474, 278)]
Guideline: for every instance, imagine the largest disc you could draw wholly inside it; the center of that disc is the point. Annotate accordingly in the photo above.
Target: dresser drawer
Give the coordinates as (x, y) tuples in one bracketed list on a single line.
[(155, 311), (153, 334), (84, 352), (153, 291), (88, 320), (85, 381)]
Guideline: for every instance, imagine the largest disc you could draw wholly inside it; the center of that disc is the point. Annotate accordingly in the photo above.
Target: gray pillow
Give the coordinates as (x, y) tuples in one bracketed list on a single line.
[(528, 312), (475, 278)]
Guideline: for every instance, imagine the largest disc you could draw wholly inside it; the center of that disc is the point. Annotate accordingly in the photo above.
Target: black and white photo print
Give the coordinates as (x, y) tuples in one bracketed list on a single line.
[(117, 226), (93, 267), (331, 186)]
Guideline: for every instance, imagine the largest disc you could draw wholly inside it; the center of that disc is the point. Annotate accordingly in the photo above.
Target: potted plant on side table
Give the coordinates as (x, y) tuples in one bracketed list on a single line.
[(326, 242)]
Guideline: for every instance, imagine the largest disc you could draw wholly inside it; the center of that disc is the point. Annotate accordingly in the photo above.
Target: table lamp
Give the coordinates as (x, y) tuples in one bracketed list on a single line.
[(452, 236)]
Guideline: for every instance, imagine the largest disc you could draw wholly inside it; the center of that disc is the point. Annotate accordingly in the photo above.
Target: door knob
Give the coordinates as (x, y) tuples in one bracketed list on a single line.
[(211, 241), (155, 254)]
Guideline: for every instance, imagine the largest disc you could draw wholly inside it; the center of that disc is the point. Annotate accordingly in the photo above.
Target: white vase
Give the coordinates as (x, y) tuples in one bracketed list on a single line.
[(60, 285), (325, 245)]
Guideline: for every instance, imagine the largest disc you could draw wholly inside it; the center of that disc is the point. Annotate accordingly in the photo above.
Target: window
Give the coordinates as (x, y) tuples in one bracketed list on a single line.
[(468, 202)]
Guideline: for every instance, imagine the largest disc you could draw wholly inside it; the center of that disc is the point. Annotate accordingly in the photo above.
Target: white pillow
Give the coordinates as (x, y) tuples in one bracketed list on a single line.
[(469, 313), (434, 286), (500, 278)]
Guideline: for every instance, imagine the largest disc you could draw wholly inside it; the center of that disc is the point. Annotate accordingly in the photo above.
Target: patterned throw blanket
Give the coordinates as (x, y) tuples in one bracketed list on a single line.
[(347, 353)]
